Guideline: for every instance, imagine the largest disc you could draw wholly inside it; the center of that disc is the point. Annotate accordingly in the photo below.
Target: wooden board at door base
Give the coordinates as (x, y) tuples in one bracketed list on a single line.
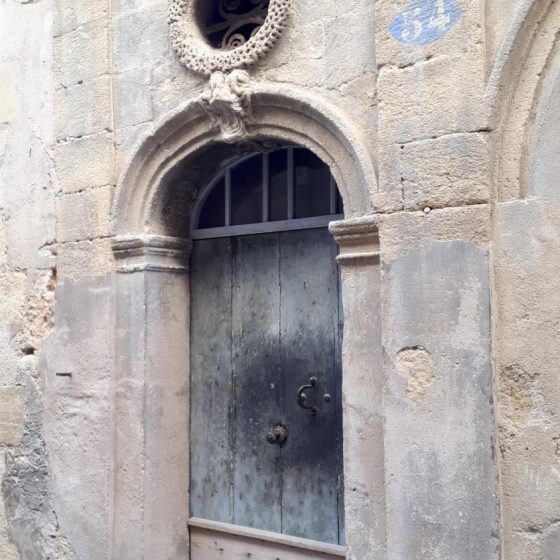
[(213, 541)]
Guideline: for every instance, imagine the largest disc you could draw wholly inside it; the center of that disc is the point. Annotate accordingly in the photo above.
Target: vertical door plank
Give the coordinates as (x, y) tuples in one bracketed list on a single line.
[(211, 381), (339, 333), (309, 339), (257, 383)]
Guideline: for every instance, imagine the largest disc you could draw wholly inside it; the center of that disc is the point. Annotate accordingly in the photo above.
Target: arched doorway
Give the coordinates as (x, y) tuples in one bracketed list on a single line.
[(151, 245), (265, 367)]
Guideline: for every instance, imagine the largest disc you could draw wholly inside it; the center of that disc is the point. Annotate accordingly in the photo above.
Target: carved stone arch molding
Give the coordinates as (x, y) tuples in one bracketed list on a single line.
[(151, 319), (514, 91), (277, 112)]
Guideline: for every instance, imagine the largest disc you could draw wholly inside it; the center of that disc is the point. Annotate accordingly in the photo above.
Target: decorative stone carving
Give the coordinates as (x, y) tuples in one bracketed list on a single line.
[(227, 103), (238, 51)]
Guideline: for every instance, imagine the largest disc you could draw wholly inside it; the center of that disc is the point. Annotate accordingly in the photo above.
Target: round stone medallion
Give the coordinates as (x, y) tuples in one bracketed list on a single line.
[(222, 35)]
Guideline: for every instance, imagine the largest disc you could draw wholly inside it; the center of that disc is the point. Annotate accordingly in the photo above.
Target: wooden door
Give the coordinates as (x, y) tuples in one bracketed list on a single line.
[(265, 319)]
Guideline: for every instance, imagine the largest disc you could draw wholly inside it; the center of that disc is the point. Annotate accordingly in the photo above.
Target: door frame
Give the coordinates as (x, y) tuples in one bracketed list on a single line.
[(151, 324)]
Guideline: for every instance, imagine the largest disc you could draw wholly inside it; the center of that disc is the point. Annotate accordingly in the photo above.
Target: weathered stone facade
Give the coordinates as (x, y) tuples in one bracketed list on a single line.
[(445, 144)]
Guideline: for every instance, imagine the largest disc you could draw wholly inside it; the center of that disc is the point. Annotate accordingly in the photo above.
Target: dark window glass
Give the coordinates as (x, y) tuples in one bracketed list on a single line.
[(213, 208), (278, 187), (246, 192), (339, 203), (312, 185)]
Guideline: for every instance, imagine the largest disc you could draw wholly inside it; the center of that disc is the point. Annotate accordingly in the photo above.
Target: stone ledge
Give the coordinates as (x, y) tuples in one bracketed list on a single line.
[(151, 252), (358, 240)]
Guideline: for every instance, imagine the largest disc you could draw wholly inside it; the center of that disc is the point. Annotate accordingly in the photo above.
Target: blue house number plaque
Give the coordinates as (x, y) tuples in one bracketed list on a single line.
[(425, 21)]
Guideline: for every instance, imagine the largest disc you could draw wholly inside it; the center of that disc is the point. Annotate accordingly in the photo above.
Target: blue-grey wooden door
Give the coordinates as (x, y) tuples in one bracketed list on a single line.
[(265, 318)]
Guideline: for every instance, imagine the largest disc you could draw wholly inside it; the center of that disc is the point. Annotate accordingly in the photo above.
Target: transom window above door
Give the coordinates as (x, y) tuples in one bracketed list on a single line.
[(287, 189)]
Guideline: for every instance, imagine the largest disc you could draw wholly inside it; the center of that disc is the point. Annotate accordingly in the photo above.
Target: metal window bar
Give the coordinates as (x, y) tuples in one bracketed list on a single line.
[(291, 223), (266, 187), (227, 194), (334, 192), (291, 183)]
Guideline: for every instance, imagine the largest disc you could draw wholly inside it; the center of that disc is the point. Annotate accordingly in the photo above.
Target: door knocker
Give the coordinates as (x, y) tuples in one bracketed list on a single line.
[(278, 435), (302, 397)]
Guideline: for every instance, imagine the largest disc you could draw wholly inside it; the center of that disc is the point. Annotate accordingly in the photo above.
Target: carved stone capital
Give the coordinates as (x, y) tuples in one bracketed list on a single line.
[(227, 102), (358, 240), (151, 252)]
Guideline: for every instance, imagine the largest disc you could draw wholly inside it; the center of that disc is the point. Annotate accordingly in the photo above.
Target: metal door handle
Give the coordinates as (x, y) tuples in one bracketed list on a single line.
[(302, 397)]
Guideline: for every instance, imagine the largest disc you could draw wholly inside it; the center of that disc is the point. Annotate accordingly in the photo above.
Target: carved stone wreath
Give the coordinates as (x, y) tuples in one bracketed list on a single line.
[(197, 55)]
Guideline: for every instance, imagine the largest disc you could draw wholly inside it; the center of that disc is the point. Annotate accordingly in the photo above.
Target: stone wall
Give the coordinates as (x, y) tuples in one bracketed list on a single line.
[(29, 526), (466, 210), (526, 308)]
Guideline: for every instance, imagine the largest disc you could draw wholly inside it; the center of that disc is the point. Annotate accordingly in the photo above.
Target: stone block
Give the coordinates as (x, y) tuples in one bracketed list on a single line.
[(12, 414), (172, 84), (447, 171), (71, 64), (390, 195), (85, 163), (30, 227), (71, 14), (77, 409), (84, 109), (140, 37), (311, 52), (84, 215), (85, 258), (403, 232), (133, 97), (430, 99), (438, 418), (13, 287)]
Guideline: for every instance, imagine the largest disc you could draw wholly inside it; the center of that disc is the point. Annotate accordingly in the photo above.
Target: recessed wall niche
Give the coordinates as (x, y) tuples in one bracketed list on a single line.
[(228, 24)]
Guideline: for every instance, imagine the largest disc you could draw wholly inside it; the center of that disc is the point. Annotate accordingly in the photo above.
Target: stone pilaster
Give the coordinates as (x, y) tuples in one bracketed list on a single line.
[(362, 388)]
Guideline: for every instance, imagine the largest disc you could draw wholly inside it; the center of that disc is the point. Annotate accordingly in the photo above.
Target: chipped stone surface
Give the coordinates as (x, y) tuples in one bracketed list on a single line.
[(417, 367), (7, 546), (27, 492)]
